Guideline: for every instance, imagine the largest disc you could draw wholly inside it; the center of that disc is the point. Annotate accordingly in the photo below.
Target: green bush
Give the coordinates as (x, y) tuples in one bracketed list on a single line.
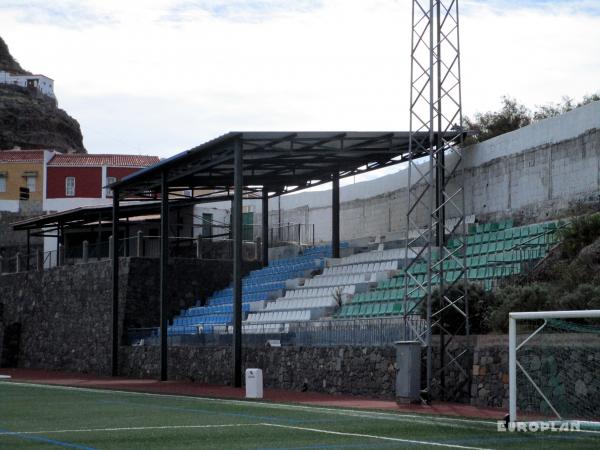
[(582, 231), (585, 296), (534, 297)]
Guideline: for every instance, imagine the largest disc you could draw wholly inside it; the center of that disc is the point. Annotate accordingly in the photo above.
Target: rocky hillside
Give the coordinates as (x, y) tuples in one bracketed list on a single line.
[(29, 119)]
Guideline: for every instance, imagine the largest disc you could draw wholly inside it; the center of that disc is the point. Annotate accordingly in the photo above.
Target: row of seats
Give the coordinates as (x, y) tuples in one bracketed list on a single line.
[(198, 320), (362, 268), (312, 263), (246, 298), (374, 256), (208, 310), (375, 309), (315, 292), (279, 316), (337, 280), (521, 233), (301, 303)]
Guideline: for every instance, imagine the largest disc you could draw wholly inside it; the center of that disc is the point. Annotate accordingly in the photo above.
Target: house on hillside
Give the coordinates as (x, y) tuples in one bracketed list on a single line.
[(22, 169), (40, 82)]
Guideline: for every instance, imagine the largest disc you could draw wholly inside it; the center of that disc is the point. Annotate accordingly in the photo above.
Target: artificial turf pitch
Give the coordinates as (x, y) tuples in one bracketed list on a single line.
[(45, 417)]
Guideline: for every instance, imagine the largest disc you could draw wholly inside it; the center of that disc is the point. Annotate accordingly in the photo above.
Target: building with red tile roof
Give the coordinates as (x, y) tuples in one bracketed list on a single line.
[(79, 179)]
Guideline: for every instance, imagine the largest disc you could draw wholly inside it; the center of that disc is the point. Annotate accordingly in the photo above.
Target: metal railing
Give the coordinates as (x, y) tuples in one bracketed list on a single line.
[(382, 331), (133, 246), (292, 233)]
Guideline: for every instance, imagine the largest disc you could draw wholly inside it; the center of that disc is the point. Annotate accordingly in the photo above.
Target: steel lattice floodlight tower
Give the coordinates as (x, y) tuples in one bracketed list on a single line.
[(436, 227)]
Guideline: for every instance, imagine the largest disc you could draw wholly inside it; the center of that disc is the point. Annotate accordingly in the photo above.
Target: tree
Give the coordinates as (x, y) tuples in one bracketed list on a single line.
[(511, 116)]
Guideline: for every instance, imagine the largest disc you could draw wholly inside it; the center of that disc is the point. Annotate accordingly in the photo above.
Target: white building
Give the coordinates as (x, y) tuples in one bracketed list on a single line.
[(41, 82)]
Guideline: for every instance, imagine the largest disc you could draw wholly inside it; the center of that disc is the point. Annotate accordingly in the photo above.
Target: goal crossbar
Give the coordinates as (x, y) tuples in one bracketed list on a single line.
[(513, 317)]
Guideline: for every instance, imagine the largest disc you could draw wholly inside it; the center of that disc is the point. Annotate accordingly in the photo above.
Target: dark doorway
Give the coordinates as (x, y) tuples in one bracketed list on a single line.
[(10, 345)]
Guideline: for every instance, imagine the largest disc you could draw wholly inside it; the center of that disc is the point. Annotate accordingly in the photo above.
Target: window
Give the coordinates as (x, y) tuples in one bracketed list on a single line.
[(109, 181), (2, 183), (70, 186), (31, 182)]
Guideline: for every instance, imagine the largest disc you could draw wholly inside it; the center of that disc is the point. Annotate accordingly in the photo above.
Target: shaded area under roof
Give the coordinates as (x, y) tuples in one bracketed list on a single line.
[(89, 215), (284, 162)]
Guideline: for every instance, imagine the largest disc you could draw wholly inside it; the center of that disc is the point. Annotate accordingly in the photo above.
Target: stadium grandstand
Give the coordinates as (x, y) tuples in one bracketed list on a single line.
[(451, 295)]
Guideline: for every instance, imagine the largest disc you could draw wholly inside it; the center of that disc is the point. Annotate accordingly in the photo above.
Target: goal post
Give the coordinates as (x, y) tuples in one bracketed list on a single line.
[(554, 366)]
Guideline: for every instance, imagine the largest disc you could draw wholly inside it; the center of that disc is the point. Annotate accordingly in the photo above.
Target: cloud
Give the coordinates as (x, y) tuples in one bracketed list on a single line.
[(161, 76), (239, 10), (70, 14)]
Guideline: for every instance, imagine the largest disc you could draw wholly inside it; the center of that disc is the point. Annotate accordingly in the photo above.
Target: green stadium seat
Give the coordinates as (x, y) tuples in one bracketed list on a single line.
[(397, 308), (389, 309)]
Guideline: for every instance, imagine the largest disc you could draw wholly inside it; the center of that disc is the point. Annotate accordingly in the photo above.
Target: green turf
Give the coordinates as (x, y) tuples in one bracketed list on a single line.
[(40, 417)]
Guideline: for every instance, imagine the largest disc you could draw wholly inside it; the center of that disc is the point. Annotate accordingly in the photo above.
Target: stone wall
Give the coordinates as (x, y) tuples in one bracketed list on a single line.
[(65, 323), (65, 313), (368, 371), (13, 242)]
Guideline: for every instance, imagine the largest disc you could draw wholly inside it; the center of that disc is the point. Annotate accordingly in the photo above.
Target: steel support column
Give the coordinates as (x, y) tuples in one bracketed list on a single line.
[(436, 191), (237, 264), (335, 217), (115, 285), (265, 226), (164, 268)]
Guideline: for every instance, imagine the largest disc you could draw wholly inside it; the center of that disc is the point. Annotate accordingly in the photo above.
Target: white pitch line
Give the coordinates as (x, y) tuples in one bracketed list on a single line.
[(158, 427), (372, 436)]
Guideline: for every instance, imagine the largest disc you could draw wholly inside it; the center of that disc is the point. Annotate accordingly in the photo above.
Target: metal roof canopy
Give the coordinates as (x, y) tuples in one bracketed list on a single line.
[(282, 161), (255, 165), (87, 215)]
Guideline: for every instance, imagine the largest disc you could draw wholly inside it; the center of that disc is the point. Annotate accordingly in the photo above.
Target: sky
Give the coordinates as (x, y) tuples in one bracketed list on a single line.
[(161, 76)]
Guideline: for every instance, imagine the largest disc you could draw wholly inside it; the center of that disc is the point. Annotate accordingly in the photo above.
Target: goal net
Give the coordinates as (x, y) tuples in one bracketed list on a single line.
[(554, 367)]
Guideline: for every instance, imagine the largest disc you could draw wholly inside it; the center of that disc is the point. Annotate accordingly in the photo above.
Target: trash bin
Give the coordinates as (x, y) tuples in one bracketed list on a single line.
[(254, 383), (408, 377)]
